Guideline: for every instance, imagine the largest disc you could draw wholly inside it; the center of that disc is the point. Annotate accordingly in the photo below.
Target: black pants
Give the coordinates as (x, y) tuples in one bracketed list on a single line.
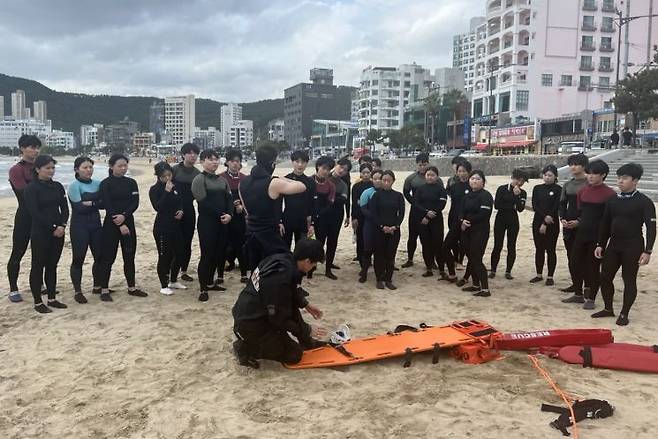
[(414, 233), (111, 239), (386, 246), (294, 229), (237, 229), (475, 242), (585, 268), (212, 240), (369, 236), (20, 241), (431, 237), (327, 232), (545, 245), (624, 254), (170, 246), (506, 222), (85, 234), (569, 238), (360, 242), (452, 248), (46, 251), (187, 226), (259, 245)]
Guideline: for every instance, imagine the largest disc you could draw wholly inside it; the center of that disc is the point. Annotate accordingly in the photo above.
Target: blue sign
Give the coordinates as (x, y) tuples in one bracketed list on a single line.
[(467, 130)]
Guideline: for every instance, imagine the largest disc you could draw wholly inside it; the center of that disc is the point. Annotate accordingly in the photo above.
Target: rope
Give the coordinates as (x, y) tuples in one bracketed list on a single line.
[(568, 399)]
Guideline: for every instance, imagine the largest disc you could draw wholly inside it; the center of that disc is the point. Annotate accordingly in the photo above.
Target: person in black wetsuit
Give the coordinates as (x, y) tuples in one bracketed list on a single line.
[(46, 202), (323, 200), (591, 201), (429, 201), (545, 227), (455, 162), (475, 216), (298, 208), (238, 225), (120, 196), (387, 208), (621, 243), (510, 199), (268, 308), (568, 210), (213, 196), (167, 232), (184, 173), (411, 183), (452, 245), (261, 196), (369, 228), (20, 175), (86, 229), (364, 183)]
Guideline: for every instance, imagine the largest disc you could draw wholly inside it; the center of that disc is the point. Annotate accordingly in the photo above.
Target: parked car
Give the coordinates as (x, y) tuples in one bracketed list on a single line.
[(572, 148)]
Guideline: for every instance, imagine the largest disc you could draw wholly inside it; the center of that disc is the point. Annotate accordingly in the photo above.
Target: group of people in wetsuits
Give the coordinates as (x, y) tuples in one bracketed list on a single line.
[(255, 218)]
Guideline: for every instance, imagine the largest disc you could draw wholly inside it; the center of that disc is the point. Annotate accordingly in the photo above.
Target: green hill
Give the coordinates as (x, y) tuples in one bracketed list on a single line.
[(70, 110)]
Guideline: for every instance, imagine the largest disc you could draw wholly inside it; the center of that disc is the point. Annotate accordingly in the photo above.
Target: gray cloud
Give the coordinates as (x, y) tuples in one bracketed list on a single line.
[(228, 50)]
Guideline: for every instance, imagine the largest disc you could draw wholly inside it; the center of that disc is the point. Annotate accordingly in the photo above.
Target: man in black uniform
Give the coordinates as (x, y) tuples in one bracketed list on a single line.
[(267, 310), (298, 208), (621, 232), (627, 135)]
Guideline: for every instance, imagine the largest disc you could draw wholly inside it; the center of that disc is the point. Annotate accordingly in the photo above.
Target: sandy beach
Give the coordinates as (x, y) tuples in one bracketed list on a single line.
[(162, 367)]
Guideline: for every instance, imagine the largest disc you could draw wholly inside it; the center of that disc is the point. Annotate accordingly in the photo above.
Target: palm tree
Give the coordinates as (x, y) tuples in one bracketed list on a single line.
[(453, 101), (432, 108)]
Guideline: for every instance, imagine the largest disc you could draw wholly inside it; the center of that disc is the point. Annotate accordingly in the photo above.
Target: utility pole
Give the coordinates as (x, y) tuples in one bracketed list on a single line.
[(649, 32), (621, 22), (627, 43)]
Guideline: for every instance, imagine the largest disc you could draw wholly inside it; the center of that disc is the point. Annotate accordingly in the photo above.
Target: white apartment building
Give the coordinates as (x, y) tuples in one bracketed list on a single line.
[(89, 134), (230, 115), (11, 130), (40, 110), (2, 107), (448, 78), (464, 52), (384, 93), (143, 142), (61, 139), (18, 105), (207, 139), (241, 134), (275, 130), (180, 118)]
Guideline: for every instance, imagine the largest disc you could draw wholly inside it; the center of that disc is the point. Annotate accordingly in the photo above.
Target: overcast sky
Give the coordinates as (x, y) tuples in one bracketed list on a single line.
[(229, 50)]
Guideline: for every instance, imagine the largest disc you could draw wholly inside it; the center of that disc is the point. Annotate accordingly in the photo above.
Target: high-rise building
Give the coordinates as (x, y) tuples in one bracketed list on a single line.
[(180, 118), (61, 139), (319, 99), (464, 53), (2, 107), (27, 113), (120, 134), (448, 78), (207, 139), (142, 142), (18, 105), (276, 130), (241, 134), (386, 91), (40, 110), (157, 119), (230, 115)]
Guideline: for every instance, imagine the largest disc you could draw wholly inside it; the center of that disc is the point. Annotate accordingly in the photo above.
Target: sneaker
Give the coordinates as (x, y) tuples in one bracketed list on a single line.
[(137, 293), (43, 309), (471, 289), (203, 297), (408, 264), (105, 297), (589, 304), (603, 313), (428, 273), (622, 320), (492, 275), (177, 286), (167, 291), (536, 279), (509, 276), (390, 286), (355, 259), (216, 287), (434, 266), (380, 285), (363, 277), (15, 297), (80, 298), (482, 293), (186, 277), (330, 275), (99, 290), (56, 304), (574, 299), (569, 289), (460, 283), (550, 282)]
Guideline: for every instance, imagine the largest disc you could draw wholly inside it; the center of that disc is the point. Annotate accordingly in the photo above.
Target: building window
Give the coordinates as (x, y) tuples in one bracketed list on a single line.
[(604, 82), (566, 80), (522, 99), (606, 43), (587, 42), (588, 23), (547, 80), (585, 82), (607, 24)]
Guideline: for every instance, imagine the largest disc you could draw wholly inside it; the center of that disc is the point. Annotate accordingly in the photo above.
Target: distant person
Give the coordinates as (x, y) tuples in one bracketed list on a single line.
[(545, 224), (614, 139), (297, 217), (184, 173), (20, 175), (627, 135), (238, 225), (365, 182), (620, 240), (376, 164), (46, 202), (369, 227)]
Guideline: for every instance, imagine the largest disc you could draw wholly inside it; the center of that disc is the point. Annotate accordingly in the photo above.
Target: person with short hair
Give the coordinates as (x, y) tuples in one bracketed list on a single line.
[(614, 139), (453, 249), (369, 227), (20, 175), (430, 200), (338, 214), (621, 243), (376, 164), (455, 162), (627, 135), (238, 225), (365, 182), (184, 173), (267, 311), (510, 199), (298, 208), (545, 228)]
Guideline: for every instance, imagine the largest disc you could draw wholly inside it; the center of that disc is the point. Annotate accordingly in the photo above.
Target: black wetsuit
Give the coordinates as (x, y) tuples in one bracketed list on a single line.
[(453, 249), (357, 215), (545, 202), (183, 177), (213, 196), (120, 195), (237, 228), (20, 175), (47, 204), (339, 210), (263, 217), (411, 183), (387, 208), (431, 197), (297, 210), (569, 211), (507, 221), (476, 208), (621, 231), (167, 232), (267, 310)]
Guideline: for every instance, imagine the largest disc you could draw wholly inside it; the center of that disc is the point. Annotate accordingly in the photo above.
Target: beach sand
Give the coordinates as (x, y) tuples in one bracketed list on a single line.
[(162, 367)]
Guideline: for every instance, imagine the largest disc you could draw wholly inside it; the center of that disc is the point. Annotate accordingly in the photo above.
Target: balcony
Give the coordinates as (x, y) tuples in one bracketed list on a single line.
[(588, 27), (605, 68), (587, 67), (585, 87), (587, 47), (589, 6), (606, 48)]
